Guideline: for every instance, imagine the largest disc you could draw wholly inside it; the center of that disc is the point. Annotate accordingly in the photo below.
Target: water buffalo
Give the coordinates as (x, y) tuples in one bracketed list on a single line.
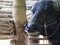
[(45, 20)]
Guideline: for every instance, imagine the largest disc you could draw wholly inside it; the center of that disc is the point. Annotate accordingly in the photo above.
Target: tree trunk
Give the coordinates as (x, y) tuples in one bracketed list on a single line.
[(19, 16)]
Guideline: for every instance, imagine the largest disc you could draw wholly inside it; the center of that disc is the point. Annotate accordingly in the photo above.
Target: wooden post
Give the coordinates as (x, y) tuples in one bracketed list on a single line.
[(33, 38), (19, 15)]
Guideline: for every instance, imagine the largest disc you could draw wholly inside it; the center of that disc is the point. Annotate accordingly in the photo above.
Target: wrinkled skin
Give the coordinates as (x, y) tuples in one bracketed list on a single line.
[(45, 12)]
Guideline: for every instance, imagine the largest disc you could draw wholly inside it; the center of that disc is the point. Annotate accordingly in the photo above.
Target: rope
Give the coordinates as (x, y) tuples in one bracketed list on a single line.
[(45, 26), (54, 31), (46, 32)]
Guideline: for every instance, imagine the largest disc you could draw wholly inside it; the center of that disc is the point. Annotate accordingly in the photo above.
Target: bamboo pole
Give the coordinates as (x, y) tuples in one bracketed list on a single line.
[(19, 15), (5, 16)]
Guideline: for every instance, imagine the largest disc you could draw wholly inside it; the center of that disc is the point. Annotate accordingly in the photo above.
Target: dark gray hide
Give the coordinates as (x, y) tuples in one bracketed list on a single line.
[(45, 12)]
